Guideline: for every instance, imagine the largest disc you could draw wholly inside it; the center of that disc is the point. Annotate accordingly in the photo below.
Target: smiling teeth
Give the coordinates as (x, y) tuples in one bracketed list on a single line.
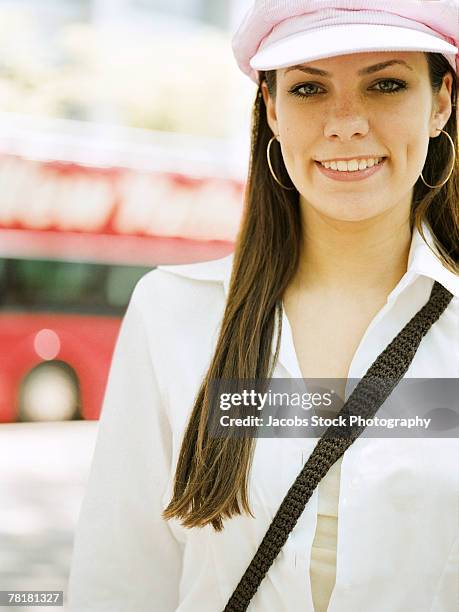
[(352, 165)]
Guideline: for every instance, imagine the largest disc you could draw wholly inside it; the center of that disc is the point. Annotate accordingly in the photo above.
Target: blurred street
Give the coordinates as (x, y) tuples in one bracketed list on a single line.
[(107, 170), (44, 472)]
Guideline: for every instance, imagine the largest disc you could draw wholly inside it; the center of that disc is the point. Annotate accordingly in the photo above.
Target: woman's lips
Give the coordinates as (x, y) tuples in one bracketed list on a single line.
[(356, 175)]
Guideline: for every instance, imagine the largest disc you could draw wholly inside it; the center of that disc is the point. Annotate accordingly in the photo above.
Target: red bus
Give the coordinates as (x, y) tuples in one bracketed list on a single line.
[(74, 240)]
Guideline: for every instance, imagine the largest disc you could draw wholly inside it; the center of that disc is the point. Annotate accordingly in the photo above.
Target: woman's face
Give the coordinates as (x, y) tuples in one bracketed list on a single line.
[(357, 111)]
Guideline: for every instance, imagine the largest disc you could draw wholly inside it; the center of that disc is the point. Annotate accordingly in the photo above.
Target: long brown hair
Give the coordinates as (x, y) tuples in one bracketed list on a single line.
[(211, 478)]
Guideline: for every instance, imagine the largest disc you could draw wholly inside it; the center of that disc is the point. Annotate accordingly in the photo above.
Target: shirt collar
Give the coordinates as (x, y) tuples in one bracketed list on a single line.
[(421, 262), (218, 270)]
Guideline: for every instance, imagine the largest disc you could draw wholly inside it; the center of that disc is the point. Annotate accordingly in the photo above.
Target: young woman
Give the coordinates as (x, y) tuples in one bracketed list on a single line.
[(351, 216)]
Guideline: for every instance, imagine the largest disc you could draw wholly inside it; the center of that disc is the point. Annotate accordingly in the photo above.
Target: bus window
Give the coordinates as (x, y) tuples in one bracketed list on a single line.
[(93, 288), (120, 283)]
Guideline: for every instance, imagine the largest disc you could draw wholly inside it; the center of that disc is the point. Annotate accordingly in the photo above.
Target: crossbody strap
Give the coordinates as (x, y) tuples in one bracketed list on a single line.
[(370, 393)]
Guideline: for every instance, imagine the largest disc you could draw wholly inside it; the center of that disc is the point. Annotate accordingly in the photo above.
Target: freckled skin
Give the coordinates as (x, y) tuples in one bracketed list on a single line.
[(350, 115)]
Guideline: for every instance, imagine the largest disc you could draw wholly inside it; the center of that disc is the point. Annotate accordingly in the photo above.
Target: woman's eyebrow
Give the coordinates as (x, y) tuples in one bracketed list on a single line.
[(361, 72)]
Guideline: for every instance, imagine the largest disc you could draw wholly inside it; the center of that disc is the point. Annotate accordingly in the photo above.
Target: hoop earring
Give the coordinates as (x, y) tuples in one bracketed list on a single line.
[(452, 167), (268, 155)]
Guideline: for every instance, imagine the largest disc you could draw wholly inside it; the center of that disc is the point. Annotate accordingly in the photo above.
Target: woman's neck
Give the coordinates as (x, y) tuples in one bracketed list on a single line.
[(350, 257)]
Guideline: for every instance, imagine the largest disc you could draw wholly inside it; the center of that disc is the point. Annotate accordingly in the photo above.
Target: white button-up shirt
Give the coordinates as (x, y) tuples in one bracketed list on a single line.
[(398, 518)]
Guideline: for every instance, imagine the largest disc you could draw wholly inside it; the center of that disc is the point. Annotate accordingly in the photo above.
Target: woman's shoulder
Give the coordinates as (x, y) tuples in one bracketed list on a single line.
[(214, 270), (172, 287), (181, 309)]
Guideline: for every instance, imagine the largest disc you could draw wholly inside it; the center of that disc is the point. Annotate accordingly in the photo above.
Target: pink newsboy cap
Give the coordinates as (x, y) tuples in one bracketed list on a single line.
[(279, 33)]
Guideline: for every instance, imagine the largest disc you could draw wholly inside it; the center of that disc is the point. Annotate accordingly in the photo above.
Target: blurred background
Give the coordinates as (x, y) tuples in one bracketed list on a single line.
[(124, 143)]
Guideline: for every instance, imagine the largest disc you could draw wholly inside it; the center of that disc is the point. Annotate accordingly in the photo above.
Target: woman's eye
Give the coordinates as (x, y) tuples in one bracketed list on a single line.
[(399, 86), (295, 90)]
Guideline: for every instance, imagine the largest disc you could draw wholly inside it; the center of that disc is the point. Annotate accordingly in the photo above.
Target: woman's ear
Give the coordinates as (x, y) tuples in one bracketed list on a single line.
[(442, 106), (270, 104)]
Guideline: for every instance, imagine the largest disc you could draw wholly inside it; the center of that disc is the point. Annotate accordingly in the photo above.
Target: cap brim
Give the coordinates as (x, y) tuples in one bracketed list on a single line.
[(344, 39)]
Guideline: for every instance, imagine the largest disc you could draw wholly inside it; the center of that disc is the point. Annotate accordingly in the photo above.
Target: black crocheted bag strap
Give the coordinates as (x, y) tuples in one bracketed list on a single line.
[(370, 393)]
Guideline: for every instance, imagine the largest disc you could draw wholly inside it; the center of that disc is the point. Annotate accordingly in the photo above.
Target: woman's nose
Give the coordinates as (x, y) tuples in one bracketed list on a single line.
[(346, 120), (345, 127)]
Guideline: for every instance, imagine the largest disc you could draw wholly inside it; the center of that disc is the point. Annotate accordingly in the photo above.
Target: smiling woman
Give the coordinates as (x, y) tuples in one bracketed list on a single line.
[(353, 109), (346, 267), (346, 191)]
